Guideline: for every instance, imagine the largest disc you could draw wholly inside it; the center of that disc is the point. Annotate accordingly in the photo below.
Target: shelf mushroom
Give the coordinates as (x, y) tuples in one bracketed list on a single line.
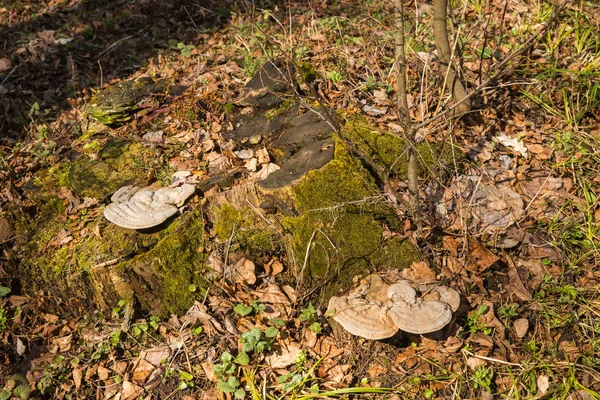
[(444, 294), (136, 208), (365, 313), (362, 317), (416, 315)]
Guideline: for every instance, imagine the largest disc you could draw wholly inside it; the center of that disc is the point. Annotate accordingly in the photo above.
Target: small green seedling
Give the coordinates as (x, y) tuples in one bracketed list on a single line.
[(309, 314)]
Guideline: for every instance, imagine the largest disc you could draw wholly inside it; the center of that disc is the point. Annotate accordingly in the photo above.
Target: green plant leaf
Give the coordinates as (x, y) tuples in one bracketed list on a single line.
[(277, 321), (23, 391), (240, 393), (233, 381), (315, 327), (271, 332), (225, 387), (196, 331), (243, 359), (186, 376), (4, 291), (242, 309), (4, 394), (226, 357)]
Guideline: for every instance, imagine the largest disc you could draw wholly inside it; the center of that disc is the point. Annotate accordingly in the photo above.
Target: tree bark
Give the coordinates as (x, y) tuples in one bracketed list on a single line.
[(440, 32)]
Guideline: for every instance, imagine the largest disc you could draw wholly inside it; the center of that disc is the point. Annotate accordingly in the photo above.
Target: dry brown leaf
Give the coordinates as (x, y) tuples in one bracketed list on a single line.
[(521, 326), (451, 265), (142, 370), (208, 366), (481, 339), (489, 319), (156, 355), (63, 343), (285, 356), (130, 391), (418, 272), (5, 230), (242, 272), (452, 344), (272, 294), (474, 363), (479, 256), (535, 148), (91, 372), (327, 347), (103, 373), (516, 284), (5, 64), (339, 373), (543, 384), (274, 267), (318, 37), (422, 369), (111, 388), (291, 293), (310, 339), (77, 376), (450, 244), (376, 369)]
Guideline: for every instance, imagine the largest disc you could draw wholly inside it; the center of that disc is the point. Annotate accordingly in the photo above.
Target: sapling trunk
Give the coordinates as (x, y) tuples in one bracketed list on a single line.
[(402, 101), (440, 33)]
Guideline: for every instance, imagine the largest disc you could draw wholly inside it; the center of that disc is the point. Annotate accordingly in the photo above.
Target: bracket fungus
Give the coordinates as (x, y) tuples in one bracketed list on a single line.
[(136, 208), (362, 317), (416, 315), (366, 313), (363, 312)]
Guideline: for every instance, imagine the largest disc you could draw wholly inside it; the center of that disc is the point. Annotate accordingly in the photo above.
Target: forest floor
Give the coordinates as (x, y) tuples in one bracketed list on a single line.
[(529, 324)]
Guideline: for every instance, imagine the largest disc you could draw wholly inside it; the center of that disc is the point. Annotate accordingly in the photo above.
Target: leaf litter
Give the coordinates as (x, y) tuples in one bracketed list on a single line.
[(519, 231)]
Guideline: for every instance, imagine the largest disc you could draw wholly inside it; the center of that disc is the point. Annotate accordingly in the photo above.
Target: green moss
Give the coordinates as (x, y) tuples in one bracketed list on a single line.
[(245, 229), (228, 107), (120, 163), (280, 109), (53, 178), (342, 222), (168, 269), (190, 115), (94, 272), (308, 72), (92, 147), (390, 151)]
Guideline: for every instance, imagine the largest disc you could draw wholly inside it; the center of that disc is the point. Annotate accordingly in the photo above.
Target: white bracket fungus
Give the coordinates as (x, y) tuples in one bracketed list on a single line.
[(136, 208), (362, 317), (376, 310)]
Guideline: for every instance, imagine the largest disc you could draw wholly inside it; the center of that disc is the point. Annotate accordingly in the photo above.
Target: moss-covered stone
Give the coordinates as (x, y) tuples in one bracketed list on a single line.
[(342, 221), (390, 151)]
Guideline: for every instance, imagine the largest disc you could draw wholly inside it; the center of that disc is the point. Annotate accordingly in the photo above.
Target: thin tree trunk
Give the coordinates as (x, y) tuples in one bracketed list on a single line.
[(413, 166), (440, 33)]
